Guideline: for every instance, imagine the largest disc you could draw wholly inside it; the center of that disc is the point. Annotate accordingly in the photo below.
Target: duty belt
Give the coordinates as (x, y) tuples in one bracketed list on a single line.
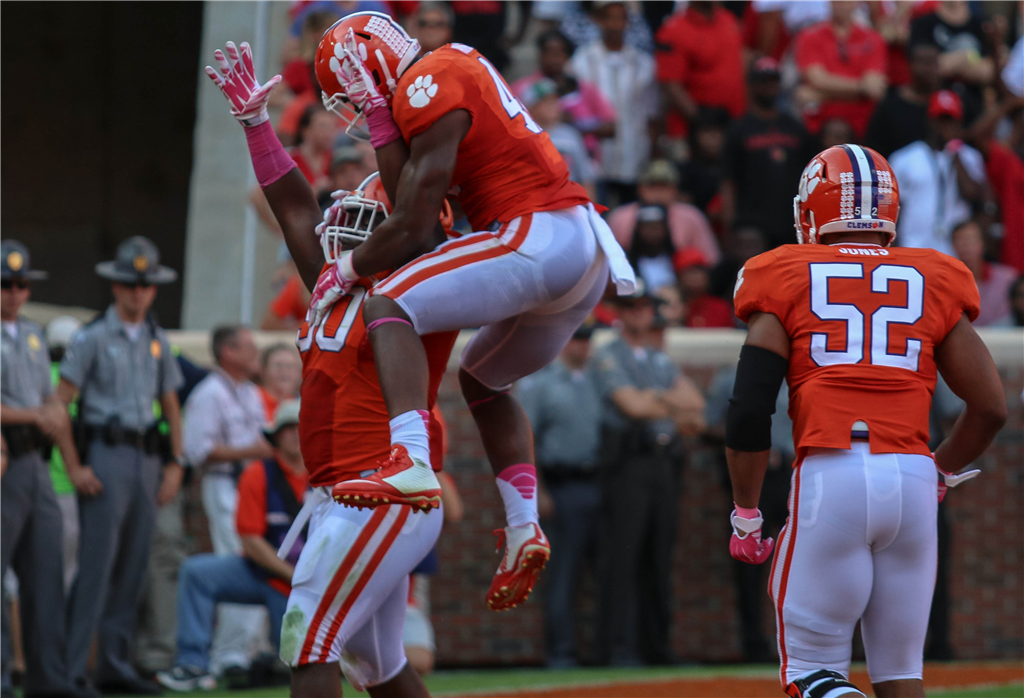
[(25, 438)]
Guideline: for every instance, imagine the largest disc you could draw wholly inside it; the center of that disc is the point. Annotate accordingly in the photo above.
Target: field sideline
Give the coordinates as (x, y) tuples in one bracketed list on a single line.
[(1003, 679)]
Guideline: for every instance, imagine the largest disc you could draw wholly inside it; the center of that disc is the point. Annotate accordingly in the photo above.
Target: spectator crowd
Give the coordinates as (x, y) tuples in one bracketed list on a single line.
[(691, 125)]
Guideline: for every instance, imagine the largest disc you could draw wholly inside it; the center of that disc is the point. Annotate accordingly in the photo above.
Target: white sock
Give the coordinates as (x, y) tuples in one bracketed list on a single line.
[(409, 429), (518, 487)]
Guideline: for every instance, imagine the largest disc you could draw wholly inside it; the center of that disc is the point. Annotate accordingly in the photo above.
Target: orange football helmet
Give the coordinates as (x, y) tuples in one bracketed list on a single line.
[(387, 51), (843, 189), (364, 209)]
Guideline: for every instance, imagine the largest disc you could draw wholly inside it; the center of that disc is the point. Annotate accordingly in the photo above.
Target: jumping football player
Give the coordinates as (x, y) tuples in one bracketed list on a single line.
[(447, 122), (350, 584), (857, 328)]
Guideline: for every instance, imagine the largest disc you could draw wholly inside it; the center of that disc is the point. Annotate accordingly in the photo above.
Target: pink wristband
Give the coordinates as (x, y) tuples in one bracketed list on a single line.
[(382, 127), (269, 158), (745, 513)]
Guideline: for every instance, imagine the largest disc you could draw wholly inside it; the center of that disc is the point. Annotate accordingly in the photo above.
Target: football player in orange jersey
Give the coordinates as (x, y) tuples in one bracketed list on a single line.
[(857, 328), (350, 584), (440, 122)]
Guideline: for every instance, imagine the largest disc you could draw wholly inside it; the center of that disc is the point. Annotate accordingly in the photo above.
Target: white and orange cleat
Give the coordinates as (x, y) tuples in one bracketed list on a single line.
[(526, 553), (402, 480)]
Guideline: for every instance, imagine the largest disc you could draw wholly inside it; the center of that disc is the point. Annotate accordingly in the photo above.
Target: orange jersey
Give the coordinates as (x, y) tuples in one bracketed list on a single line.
[(863, 322), (506, 165), (343, 426)]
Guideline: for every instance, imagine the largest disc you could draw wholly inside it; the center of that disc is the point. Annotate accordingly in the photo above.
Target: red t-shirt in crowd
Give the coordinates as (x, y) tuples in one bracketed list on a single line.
[(291, 115), (298, 77), (898, 65), (705, 56), (251, 516), (269, 405), (1006, 173), (863, 51), (708, 311), (310, 170), (289, 304)]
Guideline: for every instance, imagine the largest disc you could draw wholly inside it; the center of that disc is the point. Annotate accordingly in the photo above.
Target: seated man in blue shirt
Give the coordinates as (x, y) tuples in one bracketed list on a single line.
[(270, 493)]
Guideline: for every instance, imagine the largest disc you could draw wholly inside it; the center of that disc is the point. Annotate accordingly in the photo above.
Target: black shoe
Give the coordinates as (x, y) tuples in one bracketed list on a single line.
[(268, 670), (237, 678), (130, 686)]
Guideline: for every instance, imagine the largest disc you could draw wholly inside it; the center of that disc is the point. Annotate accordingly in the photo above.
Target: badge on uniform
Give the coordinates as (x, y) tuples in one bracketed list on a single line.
[(33, 342), (15, 260), (154, 348)]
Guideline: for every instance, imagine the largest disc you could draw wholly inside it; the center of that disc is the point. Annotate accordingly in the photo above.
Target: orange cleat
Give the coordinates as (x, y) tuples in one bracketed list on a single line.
[(526, 553), (402, 480)]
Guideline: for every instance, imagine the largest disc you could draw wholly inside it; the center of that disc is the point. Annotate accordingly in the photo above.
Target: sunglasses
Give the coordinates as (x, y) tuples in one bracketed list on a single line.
[(20, 285), (137, 284), (424, 24)]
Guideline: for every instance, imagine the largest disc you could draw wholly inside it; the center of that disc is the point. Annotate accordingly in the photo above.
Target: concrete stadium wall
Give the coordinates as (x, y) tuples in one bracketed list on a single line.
[(986, 518)]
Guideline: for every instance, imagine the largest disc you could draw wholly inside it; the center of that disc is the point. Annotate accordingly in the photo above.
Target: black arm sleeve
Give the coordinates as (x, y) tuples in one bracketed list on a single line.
[(759, 375)]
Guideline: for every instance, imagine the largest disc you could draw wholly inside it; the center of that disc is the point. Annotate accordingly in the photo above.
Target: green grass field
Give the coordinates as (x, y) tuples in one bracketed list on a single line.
[(511, 681)]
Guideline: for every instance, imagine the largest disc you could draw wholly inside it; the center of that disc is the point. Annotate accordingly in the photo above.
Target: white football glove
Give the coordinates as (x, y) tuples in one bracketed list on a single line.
[(334, 213), (334, 283)]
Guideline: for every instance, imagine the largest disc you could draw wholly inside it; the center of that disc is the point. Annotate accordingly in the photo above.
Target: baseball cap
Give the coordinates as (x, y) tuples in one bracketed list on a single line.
[(60, 330), (640, 293), (651, 213), (945, 103), (346, 154), (764, 68), (689, 257), (545, 87), (584, 331), (659, 172), (286, 414)]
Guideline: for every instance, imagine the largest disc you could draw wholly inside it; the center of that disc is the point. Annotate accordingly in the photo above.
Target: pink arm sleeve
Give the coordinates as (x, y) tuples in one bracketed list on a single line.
[(269, 158)]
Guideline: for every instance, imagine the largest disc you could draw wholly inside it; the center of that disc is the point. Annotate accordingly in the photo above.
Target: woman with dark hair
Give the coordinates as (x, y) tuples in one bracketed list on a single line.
[(1015, 318), (651, 250), (314, 145), (584, 105), (702, 173)]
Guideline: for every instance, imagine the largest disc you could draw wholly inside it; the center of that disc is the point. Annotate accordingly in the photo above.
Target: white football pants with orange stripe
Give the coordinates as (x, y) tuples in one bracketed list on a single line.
[(351, 586), (860, 544), (529, 285)]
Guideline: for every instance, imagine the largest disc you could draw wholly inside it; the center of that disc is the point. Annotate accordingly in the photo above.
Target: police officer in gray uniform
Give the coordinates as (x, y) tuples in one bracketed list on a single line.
[(32, 420), (120, 364), (564, 407), (647, 404)]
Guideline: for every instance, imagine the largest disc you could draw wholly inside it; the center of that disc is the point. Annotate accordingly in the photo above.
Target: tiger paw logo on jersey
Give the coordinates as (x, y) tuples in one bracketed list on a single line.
[(421, 91)]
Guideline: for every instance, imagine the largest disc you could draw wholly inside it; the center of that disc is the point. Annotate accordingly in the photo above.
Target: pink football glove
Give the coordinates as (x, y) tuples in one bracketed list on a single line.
[(948, 481), (334, 213), (746, 544), (332, 285), (237, 80)]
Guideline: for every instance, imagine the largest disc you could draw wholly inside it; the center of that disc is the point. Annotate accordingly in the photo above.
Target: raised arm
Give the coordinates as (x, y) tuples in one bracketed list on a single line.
[(287, 192)]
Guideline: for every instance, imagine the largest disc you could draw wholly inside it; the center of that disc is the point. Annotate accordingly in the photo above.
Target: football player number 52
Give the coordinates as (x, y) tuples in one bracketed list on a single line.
[(881, 280), (348, 308)]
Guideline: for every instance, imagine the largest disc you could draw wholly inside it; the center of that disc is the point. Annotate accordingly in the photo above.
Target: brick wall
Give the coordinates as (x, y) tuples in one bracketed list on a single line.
[(986, 569)]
